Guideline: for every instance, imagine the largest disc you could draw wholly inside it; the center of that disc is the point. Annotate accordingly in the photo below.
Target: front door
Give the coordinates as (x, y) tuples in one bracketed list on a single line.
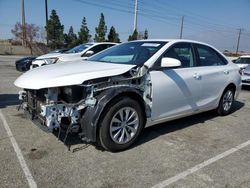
[(176, 91)]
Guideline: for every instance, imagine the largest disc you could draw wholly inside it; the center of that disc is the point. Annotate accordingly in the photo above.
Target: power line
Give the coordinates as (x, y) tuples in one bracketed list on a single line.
[(194, 17), (90, 3), (153, 13), (193, 14), (192, 20)]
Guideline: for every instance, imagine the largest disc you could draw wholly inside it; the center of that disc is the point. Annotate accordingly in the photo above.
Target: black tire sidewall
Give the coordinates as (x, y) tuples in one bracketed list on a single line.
[(104, 130)]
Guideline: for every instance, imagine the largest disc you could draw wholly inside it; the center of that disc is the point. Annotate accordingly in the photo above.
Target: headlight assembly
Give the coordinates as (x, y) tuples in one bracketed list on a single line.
[(50, 60)]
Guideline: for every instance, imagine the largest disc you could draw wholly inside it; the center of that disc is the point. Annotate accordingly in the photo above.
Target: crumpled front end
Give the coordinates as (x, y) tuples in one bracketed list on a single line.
[(80, 106), (53, 107)]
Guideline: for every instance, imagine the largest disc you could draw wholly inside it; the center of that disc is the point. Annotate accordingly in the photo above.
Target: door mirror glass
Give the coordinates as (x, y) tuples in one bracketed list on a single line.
[(168, 62)]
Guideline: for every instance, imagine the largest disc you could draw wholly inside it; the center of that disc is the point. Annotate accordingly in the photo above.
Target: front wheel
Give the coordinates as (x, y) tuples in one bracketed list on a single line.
[(226, 102), (121, 124)]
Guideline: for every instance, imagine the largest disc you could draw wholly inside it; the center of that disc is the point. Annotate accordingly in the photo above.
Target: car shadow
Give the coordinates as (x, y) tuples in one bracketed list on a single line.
[(155, 131), (75, 143), (8, 100)]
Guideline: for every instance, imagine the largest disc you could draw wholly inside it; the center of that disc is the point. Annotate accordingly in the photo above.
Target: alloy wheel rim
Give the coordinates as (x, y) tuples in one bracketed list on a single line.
[(227, 100), (124, 125)]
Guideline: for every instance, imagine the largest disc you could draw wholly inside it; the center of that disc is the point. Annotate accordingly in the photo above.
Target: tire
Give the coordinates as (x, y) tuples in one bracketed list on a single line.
[(121, 124), (226, 102)]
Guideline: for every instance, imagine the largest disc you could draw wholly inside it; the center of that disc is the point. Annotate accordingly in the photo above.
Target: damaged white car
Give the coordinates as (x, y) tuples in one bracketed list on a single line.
[(116, 93)]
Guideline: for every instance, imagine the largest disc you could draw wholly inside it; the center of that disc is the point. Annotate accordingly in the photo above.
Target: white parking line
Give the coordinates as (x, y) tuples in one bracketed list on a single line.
[(28, 175), (192, 170)]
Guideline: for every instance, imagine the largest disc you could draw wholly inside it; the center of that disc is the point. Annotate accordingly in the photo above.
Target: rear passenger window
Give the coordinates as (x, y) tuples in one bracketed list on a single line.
[(98, 48), (182, 52), (209, 57)]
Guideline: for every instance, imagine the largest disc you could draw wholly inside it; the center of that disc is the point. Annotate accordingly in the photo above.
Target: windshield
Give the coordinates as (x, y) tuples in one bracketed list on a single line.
[(243, 61), (78, 48), (133, 53)]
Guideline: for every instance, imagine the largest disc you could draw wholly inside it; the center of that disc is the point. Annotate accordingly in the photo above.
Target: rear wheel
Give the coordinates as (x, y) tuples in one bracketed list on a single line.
[(226, 102), (121, 124)]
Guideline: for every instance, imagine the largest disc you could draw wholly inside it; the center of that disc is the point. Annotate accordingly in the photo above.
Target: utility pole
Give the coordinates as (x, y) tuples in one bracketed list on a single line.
[(182, 20), (23, 25), (238, 42), (135, 16), (46, 14)]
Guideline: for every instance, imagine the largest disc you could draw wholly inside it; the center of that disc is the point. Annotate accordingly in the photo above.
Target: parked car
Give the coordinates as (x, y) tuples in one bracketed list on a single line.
[(111, 97), (23, 64), (80, 52), (243, 61), (246, 76)]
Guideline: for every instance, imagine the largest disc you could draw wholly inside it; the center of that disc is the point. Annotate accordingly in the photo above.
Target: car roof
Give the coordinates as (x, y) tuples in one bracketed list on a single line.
[(173, 41), (94, 43)]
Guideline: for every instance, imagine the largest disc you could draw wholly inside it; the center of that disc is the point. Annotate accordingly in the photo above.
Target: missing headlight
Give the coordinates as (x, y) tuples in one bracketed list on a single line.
[(72, 94)]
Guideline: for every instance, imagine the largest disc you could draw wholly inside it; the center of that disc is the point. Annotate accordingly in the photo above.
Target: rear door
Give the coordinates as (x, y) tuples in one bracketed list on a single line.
[(214, 75)]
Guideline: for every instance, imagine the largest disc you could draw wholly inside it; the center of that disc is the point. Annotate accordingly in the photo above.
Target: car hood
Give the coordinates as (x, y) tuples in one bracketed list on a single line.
[(69, 57), (242, 66), (68, 73), (49, 55)]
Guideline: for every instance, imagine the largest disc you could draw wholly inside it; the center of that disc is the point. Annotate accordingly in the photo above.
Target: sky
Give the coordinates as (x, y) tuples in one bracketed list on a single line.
[(216, 22)]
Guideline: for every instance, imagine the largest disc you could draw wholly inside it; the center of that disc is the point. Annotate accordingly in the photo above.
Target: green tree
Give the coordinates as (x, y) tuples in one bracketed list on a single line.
[(113, 36), (101, 30), (83, 35), (70, 38), (54, 30), (134, 36), (145, 36)]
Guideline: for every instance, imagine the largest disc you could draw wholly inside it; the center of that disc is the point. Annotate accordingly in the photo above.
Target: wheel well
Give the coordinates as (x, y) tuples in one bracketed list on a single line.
[(229, 86), (232, 86), (133, 95)]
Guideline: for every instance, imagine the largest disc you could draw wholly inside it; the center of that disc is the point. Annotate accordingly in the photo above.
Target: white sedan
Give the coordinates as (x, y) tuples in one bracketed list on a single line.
[(80, 52), (111, 97), (245, 77), (243, 61)]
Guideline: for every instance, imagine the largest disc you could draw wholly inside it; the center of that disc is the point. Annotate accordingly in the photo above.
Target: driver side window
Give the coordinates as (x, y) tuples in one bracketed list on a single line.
[(182, 52)]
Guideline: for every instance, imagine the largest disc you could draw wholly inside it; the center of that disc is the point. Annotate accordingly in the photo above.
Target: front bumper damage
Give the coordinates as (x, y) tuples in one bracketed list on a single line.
[(49, 113), (78, 108)]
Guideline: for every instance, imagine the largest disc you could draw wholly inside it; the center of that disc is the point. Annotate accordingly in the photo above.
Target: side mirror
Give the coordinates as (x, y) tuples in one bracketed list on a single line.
[(88, 53), (168, 62)]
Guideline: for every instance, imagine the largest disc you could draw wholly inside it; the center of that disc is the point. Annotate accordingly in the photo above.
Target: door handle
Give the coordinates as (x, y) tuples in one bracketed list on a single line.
[(226, 72), (197, 76)]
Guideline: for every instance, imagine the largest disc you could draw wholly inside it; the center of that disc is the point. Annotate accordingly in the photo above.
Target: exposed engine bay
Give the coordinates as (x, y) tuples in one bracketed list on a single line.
[(79, 106)]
